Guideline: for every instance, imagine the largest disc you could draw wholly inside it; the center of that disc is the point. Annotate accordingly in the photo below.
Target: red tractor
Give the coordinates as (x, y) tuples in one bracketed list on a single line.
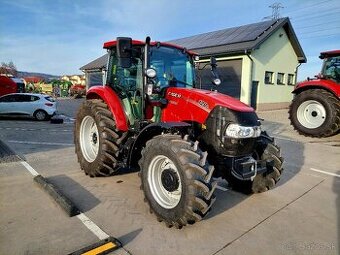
[(315, 109), (151, 116)]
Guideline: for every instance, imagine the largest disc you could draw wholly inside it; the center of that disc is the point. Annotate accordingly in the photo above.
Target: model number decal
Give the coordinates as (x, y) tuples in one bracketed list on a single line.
[(173, 94), (203, 104)]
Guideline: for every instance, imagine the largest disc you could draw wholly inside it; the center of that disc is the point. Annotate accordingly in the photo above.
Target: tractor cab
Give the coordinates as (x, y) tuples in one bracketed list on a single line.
[(140, 73), (331, 65)]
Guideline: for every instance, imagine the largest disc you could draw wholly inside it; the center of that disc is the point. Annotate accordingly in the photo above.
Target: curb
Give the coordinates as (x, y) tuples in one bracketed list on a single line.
[(65, 203), (7, 155)]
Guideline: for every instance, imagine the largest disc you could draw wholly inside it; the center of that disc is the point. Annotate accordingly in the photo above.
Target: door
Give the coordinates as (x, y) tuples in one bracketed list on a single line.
[(7, 104), (230, 72)]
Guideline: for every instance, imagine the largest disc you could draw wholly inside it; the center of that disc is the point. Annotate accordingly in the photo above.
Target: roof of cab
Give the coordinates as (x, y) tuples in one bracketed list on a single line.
[(110, 44), (330, 53)]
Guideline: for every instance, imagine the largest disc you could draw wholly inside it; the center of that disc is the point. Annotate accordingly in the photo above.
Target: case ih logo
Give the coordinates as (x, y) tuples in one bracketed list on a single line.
[(173, 94), (203, 104)]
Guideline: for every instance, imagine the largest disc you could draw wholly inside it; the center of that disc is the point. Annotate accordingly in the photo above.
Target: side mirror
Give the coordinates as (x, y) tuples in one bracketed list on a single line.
[(213, 63), (124, 51)]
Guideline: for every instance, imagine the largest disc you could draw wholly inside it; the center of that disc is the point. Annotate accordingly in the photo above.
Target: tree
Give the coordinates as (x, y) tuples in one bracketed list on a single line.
[(8, 69)]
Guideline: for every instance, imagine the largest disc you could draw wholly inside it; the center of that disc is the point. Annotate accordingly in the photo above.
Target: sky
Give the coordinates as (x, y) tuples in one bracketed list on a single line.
[(59, 36)]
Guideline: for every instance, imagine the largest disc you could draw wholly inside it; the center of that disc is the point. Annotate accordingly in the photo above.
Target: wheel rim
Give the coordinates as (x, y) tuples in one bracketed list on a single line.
[(89, 139), (40, 115), (311, 114), (164, 182)]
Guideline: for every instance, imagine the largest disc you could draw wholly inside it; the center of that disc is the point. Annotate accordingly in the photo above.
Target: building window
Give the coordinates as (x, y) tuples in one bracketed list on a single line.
[(268, 77), (290, 79), (280, 78)]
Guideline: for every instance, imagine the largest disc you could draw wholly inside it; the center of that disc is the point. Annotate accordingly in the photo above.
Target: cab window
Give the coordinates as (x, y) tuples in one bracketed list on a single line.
[(126, 79)]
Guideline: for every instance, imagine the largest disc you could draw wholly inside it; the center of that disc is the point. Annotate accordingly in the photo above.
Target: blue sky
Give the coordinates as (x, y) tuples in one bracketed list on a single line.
[(59, 36)]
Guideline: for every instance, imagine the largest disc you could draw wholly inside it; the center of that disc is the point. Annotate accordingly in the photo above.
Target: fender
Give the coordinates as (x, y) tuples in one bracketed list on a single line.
[(150, 131), (113, 101), (328, 85)]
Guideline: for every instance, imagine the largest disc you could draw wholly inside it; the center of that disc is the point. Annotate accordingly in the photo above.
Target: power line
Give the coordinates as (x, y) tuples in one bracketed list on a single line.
[(315, 25), (318, 36), (321, 30), (308, 6), (318, 15), (308, 15)]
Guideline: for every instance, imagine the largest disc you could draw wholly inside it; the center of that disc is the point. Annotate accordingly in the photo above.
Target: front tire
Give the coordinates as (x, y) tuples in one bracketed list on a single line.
[(97, 139), (176, 180), (315, 113), (265, 149)]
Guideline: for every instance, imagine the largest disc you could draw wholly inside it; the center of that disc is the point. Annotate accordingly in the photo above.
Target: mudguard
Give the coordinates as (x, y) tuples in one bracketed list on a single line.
[(329, 85), (114, 103)]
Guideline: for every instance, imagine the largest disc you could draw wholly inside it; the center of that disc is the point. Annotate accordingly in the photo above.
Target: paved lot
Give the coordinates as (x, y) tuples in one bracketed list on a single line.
[(300, 216)]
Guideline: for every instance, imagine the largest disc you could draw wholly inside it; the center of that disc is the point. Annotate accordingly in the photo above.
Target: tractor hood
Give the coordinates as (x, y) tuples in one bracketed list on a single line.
[(214, 98), (196, 104)]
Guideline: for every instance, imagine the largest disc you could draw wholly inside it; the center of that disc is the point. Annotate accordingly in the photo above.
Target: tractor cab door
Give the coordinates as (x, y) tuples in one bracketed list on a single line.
[(128, 84)]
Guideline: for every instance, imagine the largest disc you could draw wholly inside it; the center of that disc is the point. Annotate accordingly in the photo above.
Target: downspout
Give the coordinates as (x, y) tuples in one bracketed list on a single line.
[(296, 71), (251, 75)]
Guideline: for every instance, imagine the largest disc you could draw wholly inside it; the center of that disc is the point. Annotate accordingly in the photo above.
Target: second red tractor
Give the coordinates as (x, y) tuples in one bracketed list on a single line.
[(315, 109)]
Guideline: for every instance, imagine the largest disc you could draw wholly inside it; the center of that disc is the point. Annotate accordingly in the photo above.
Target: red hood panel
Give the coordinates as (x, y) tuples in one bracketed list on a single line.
[(216, 98), (196, 104)]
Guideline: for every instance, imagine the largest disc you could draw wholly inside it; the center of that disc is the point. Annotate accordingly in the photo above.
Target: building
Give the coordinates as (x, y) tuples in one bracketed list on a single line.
[(74, 79), (258, 63)]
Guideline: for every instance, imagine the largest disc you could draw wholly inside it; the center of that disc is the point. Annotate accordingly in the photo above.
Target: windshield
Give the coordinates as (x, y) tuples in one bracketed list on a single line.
[(331, 68), (174, 68)]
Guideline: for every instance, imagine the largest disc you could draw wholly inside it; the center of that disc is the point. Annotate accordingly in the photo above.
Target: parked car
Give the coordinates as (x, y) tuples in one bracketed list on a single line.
[(39, 106)]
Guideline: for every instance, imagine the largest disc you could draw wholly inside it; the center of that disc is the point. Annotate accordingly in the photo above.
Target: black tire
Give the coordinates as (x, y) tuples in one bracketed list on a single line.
[(265, 149), (331, 105), (106, 162), (195, 173), (41, 115)]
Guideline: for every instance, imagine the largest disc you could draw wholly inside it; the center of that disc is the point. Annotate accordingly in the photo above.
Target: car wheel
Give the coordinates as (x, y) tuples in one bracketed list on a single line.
[(40, 115)]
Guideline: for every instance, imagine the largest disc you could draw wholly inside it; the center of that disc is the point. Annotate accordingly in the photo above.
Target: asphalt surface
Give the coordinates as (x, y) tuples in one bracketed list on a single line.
[(300, 216)]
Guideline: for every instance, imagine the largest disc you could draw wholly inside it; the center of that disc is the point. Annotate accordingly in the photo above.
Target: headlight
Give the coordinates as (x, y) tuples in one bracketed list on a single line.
[(237, 131)]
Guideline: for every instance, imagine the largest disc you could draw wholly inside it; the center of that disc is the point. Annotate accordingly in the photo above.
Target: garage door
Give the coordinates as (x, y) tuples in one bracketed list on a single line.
[(230, 73)]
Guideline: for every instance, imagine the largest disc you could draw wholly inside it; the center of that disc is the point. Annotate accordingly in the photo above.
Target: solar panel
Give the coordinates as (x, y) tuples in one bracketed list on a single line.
[(225, 36)]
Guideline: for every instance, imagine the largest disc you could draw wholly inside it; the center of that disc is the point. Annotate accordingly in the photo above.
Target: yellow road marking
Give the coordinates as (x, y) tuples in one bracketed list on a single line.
[(100, 249)]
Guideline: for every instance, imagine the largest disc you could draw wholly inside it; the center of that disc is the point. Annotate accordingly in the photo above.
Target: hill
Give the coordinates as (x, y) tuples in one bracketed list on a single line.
[(23, 74)]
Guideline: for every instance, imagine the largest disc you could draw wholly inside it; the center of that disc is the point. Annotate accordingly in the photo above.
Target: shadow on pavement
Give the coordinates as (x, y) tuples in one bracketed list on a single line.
[(81, 197), (225, 201), (293, 154), (127, 238), (19, 118)]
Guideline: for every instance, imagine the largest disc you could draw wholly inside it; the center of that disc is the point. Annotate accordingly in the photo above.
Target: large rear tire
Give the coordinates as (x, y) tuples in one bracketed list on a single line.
[(176, 180), (96, 139), (265, 149), (315, 113)]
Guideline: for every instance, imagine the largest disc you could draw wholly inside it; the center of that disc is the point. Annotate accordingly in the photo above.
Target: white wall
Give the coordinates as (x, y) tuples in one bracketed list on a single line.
[(276, 55)]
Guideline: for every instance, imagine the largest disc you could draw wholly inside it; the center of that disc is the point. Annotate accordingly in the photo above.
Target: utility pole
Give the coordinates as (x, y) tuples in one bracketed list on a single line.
[(276, 10)]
